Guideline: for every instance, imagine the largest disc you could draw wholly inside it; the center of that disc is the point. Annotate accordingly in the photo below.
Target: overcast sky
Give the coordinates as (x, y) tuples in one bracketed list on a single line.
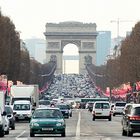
[(30, 16)]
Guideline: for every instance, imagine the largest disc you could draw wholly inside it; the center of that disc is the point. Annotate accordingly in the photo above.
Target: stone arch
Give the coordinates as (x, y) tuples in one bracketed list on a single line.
[(83, 35)]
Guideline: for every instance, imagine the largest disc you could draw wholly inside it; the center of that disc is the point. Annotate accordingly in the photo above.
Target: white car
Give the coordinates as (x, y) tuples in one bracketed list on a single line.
[(101, 110), (118, 108), (7, 124)]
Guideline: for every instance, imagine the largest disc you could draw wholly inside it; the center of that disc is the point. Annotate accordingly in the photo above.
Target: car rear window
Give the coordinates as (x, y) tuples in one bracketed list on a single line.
[(102, 106), (136, 111), (63, 106), (120, 104)]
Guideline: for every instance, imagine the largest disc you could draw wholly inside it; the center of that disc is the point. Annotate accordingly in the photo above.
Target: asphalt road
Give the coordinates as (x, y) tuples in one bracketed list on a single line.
[(79, 127)]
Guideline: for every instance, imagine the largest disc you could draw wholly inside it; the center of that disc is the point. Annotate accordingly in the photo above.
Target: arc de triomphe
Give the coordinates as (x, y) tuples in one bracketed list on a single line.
[(83, 35)]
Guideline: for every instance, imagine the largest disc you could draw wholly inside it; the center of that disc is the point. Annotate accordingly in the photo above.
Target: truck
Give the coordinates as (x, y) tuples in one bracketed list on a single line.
[(25, 92)]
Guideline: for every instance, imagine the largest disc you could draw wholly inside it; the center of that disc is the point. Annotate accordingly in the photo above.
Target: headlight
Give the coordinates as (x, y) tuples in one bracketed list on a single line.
[(29, 115), (59, 124), (34, 124), (10, 116)]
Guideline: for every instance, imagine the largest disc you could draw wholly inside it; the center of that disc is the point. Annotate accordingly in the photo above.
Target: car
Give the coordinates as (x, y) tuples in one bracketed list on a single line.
[(101, 110), (47, 121), (22, 110), (7, 123), (10, 116), (118, 108), (90, 106), (131, 120), (2, 123), (65, 109), (44, 103)]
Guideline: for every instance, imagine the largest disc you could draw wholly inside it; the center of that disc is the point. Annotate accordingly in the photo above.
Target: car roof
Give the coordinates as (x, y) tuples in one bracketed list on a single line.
[(101, 102), (47, 108), (22, 101), (136, 105)]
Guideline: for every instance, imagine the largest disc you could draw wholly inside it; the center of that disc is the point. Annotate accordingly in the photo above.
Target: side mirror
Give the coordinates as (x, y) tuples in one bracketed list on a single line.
[(14, 113), (4, 113), (125, 111), (34, 105), (33, 109)]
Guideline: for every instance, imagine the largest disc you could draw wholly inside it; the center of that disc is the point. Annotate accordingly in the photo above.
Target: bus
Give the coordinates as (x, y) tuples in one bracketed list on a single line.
[(85, 100)]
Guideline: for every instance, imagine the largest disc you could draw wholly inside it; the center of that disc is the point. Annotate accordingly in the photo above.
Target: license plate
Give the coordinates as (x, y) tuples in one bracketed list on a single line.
[(21, 117), (47, 129), (98, 113)]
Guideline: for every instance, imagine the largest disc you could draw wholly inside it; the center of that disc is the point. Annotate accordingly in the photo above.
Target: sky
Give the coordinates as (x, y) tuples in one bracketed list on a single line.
[(31, 16)]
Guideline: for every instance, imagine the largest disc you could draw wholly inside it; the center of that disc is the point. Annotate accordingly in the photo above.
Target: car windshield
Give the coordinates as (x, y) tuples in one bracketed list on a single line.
[(63, 106), (44, 102), (21, 107), (102, 106), (8, 110), (136, 111), (120, 104), (47, 113)]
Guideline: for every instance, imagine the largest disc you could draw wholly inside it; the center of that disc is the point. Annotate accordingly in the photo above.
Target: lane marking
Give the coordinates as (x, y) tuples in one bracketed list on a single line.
[(78, 127), (48, 138), (21, 134), (21, 138)]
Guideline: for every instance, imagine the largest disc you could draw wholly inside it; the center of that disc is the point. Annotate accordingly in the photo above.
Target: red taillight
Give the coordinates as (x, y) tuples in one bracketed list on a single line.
[(134, 117)]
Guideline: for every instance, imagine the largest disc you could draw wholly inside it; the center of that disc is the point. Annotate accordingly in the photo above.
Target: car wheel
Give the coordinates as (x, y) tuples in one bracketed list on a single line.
[(2, 133), (16, 119), (109, 119), (7, 132), (13, 127), (63, 134), (129, 133), (124, 133), (32, 134), (93, 118)]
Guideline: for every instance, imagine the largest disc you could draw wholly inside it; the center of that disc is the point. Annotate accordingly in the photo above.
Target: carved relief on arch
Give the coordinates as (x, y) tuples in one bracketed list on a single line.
[(75, 42)]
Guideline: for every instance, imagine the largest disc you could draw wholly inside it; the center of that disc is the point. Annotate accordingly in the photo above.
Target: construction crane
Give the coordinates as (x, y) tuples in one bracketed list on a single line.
[(118, 21)]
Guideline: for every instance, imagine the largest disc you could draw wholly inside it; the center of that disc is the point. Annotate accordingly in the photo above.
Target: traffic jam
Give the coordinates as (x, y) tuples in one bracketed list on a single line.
[(68, 99)]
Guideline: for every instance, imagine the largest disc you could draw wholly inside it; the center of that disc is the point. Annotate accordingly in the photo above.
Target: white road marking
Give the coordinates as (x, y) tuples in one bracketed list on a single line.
[(21, 138), (21, 135), (48, 139), (78, 127)]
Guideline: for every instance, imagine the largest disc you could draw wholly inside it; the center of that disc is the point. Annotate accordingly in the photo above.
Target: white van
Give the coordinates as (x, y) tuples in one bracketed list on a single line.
[(101, 110), (22, 110)]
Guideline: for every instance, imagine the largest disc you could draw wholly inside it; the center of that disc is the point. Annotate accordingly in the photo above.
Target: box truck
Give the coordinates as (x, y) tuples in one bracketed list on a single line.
[(25, 92)]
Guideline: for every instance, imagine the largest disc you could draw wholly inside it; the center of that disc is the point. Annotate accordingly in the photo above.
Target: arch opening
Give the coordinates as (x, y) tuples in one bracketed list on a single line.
[(70, 59)]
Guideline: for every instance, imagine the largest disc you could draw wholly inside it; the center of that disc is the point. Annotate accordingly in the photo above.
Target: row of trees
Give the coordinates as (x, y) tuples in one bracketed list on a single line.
[(15, 61), (123, 68)]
